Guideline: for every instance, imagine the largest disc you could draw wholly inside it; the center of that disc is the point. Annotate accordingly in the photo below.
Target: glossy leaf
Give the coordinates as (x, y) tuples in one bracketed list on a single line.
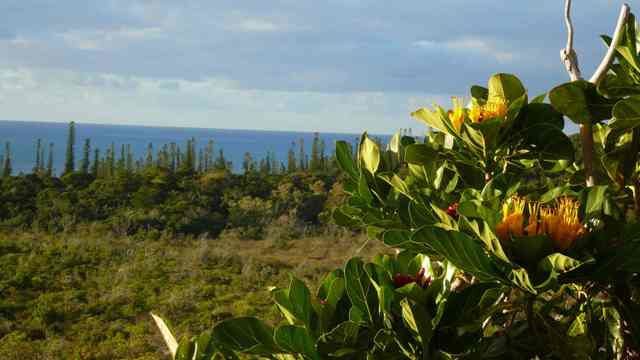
[(296, 340), (369, 154), (359, 287), (580, 101), (345, 159), (461, 250), (626, 113), (247, 335), (506, 86)]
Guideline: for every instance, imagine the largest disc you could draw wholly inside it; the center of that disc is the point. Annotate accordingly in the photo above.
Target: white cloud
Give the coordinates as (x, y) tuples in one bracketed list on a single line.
[(57, 95), (469, 45), (257, 25), (102, 39)]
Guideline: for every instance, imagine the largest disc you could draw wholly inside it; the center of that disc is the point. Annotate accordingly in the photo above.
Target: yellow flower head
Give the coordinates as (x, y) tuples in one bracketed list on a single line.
[(512, 218), (560, 222), (496, 107), (456, 115)]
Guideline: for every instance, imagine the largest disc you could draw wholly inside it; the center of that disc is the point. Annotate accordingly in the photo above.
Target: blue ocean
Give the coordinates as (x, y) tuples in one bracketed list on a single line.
[(23, 136)]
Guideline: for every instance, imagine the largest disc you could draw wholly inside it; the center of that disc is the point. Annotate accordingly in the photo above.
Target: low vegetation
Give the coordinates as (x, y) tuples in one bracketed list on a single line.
[(85, 296)]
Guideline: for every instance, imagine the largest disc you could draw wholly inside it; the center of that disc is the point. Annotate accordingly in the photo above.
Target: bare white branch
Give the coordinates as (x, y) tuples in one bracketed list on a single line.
[(568, 55), (569, 23), (608, 58)]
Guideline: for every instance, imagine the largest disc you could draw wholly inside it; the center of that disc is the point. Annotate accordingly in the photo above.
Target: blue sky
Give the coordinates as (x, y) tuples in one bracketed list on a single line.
[(310, 65)]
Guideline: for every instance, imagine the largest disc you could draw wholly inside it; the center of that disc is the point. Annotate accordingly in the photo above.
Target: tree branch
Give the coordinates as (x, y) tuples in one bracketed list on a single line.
[(568, 55), (608, 58)]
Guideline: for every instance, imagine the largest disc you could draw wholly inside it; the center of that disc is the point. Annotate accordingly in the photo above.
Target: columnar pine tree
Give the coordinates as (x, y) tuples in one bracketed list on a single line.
[(50, 161), (121, 164), (221, 162), (129, 160), (179, 157), (248, 165), (209, 155), (301, 156), (112, 160), (96, 163), (42, 166), (173, 155), (148, 162), (315, 163), (38, 165), (291, 159), (274, 163), (6, 166), (69, 160), (323, 157), (86, 154)]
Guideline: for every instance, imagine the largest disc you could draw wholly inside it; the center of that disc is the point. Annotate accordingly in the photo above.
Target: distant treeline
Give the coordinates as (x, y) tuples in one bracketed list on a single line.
[(173, 188), (118, 158)]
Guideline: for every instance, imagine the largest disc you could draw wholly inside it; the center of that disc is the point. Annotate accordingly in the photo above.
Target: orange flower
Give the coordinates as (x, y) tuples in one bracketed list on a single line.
[(512, 219), (456, 115), (496, 107), (559, 223)]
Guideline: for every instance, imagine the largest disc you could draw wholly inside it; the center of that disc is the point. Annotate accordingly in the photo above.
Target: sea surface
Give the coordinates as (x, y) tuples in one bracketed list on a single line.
[(23, 136)]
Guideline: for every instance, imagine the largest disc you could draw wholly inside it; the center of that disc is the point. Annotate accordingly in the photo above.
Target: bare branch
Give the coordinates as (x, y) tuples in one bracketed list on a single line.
[(568, 55), (608, 58), (569, 23)]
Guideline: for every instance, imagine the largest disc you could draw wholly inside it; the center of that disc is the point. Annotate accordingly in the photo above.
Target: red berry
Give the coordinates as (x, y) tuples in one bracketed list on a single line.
[(400, 280), (452, 210), (323, 301)]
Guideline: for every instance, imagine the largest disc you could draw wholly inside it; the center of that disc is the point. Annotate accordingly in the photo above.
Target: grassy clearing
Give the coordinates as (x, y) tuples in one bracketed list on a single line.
[(83, 296)]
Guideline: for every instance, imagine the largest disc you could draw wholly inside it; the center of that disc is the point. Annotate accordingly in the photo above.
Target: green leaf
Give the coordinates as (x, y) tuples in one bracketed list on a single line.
[(343, 219), (595, 199), (462, 307), (341, 341), (626, 113), (358, 288), (479, 93), (395, 143), (397, 183), (332, 288), (381, 281), (538, 99), (369, 154), (476, 209), (559, 263), (418, 320), (246, 335), (506, 86), (531, 249), (549, 142), (436, 119), (421, 154), (186, 349), (579, 326), (295, 302), (628, 44), (345, 159), (538, 113), (296, 340), (461, 250), (580, 101)]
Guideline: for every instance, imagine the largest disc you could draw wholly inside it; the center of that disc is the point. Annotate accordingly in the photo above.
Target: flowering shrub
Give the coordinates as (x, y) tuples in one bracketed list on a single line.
[(513, 255)]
